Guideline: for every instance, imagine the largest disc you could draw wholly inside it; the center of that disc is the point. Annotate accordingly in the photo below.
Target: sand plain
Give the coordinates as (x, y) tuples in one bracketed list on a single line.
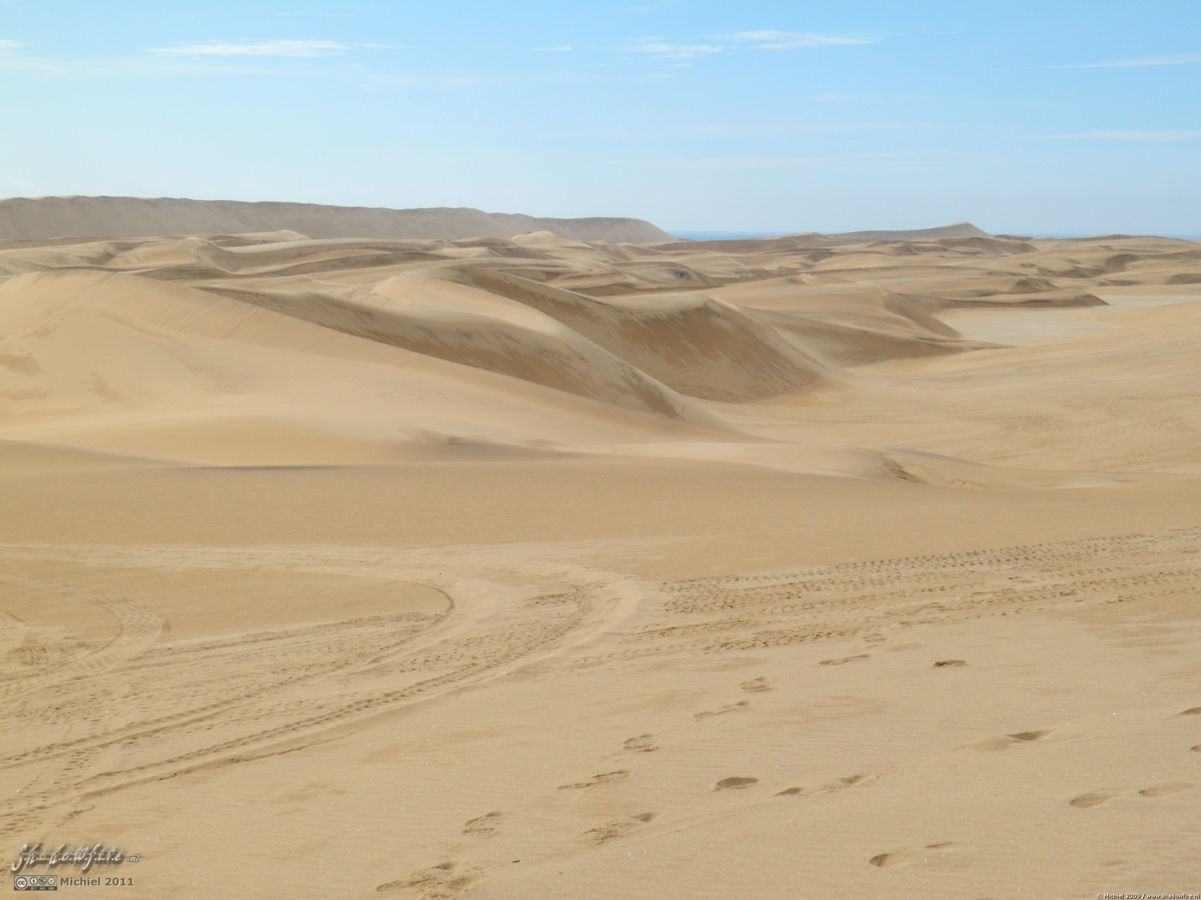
[(537, 567)]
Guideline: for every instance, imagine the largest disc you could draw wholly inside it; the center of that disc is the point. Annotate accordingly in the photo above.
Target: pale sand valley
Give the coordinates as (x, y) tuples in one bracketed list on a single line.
[(544, 563)]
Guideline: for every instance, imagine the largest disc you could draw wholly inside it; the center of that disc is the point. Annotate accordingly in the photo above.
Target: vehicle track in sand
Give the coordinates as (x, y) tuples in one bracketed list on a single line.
[(870, 598), (83, 721), (876, 601), (141, 708)]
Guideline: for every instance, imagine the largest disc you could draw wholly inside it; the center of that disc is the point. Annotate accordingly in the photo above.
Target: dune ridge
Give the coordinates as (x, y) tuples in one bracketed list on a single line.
[(679, 336)]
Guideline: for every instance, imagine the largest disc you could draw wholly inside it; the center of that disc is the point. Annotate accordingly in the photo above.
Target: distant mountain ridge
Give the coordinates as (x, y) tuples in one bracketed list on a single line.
[(24, 219), (815, 240), (959, 229)]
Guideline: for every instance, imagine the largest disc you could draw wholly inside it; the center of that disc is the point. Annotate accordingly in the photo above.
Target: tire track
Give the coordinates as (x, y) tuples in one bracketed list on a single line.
[(206, 702), (744, 612)]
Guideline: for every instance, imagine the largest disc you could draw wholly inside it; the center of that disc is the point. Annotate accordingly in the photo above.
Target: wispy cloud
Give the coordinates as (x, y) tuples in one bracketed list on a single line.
[(852, 160), (566, 48), (286, 48), (1126, 136), (1175, 59), (143, 66), (739, 130), (748, 40), (665, 50), (8, 45), (792, 40)]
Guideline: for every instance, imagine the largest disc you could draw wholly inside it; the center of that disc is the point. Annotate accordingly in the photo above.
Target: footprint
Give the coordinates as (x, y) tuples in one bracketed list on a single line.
[(644, 743), (485, 825), (909, 857), (757, 684), (436, 881), (845, 781), (1031, 735), (619, 828), (1096, 798), (1191, 711), (605, 778), (740, 706), (1091, 799), (834, 784), (734, 782), (949, 662), (1162, 790), (1008, 740), (1196, 748), (843, 660)]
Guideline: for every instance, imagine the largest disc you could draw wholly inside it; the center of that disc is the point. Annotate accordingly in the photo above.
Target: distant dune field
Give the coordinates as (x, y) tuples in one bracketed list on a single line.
[(488, 556)]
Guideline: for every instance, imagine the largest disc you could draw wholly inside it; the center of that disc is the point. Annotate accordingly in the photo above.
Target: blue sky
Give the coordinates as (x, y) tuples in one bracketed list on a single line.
[(753, 116)]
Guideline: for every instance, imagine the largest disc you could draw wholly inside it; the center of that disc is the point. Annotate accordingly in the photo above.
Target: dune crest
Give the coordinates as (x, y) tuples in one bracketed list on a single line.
[(667, 339)]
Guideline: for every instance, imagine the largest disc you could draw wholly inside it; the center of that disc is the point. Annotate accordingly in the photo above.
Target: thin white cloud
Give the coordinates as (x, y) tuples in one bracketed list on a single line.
[(752, 40), (1127, 136), (8, 45), (743, 128), (792, 40), (566, 48), (666, 50), (853, 160), (757, 36), (140, 67), (1176, 59), (261, 48)]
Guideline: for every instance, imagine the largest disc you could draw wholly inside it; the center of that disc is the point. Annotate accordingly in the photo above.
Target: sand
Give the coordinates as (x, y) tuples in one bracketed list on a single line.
[(539, 567)]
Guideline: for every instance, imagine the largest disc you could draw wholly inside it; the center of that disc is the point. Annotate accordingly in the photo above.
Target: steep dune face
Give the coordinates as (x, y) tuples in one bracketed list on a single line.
[(849, 324), (122, 362), (32, 219), (698, 345), (438, 318)]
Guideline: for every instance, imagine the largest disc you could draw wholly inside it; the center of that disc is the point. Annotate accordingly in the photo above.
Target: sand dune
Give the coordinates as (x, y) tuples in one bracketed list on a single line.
[(123, 361), (224, 327), (700, 345), (559, 566)]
